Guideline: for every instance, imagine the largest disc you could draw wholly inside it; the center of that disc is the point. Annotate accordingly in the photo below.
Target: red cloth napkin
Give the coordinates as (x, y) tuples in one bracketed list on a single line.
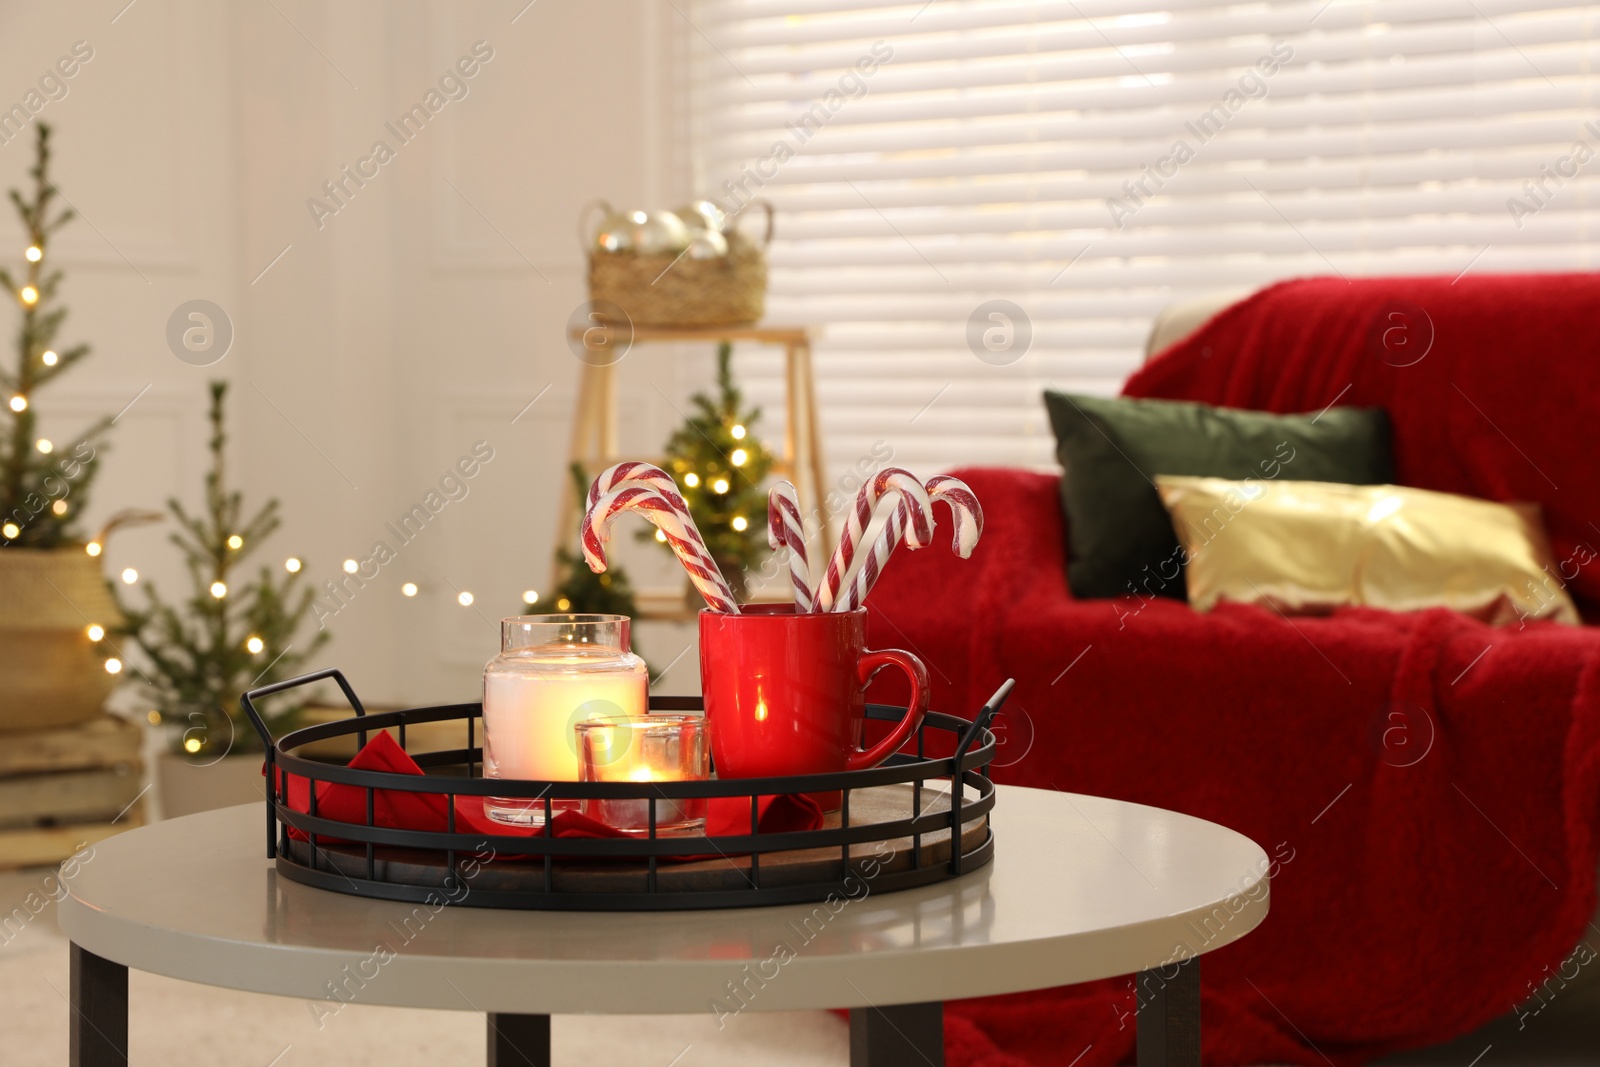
[(398, 809)]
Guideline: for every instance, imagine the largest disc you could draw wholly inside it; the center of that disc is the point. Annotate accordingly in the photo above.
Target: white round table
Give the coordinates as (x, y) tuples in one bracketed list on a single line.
[(1080, 888)]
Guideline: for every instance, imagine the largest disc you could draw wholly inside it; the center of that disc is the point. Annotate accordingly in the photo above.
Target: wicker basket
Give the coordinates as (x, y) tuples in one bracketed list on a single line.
[(675, 290), (51, 674)]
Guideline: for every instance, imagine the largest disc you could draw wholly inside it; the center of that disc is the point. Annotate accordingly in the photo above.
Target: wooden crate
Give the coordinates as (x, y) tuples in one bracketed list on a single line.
[(62, 789)]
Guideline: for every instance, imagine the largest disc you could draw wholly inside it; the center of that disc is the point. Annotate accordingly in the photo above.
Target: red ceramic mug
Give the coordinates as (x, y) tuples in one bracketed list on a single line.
[(786, 694)]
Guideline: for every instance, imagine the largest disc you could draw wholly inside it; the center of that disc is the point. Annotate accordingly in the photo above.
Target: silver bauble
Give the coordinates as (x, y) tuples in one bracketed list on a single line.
[(708, 244), (703, 215), (657, 233), (615, 234)]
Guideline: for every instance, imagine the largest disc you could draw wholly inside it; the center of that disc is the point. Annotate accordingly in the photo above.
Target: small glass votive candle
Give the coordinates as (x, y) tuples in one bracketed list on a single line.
[(553, 671), (645, 748)]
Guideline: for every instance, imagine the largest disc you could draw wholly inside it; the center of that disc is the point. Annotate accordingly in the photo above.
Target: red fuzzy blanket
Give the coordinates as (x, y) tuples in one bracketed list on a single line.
[(1428, 786)]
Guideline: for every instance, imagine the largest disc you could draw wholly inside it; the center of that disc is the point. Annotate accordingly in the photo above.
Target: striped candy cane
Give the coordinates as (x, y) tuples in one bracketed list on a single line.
[(678, 528), (785, 527), (634, 472), (892, 482), (964, 508)]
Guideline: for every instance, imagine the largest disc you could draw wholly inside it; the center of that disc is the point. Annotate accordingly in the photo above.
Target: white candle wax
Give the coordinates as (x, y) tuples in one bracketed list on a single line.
[(529, 713)]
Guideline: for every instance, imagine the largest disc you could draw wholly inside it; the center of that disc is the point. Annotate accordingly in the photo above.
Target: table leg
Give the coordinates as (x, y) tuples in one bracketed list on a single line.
[(901, 1035), (98, 1029), (519, 1040), (1169, 1016)]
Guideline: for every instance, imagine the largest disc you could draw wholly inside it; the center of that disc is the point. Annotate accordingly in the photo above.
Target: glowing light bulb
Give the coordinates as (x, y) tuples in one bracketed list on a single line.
[(720, 485), (129, 576), (95, 631), (219, 589), (191, 744), (563, 604), (351, 566), (153, 717), (691, 479), (30, 295), (44, 445), (93, 548), (409, 589), (235, 541), (11, 530), (255, 645), (739, 457), (738, 432), (49, 357), (19, 403), (291, 565), (661, 536), (34, 254), (530, 596), (113, 665), (740, 523), (464, 598), (59, 507)]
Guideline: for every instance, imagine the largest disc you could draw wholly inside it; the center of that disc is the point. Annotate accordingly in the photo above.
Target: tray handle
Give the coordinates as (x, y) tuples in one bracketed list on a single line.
[(979, 723), (247, 701)]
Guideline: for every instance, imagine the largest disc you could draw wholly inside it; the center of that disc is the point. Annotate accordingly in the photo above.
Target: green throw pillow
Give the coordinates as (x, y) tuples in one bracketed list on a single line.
[(1120, 540)]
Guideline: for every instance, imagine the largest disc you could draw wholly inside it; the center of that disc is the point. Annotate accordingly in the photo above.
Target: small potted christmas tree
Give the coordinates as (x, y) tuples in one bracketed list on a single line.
[(720, 465), (55, 669), (229, 634)]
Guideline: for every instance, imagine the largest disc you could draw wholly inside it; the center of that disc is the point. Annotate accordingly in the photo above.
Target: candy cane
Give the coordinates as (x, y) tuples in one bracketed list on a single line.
[(964, 508), (634, 472), (919, 528), (785, 527), (893, 532), (679, 529)]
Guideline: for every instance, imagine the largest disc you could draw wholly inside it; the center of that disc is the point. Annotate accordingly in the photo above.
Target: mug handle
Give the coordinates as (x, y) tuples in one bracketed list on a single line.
[(870, 664)]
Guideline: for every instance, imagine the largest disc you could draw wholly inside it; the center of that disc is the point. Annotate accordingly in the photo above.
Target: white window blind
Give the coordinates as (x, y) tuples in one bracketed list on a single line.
[(1029, 152)]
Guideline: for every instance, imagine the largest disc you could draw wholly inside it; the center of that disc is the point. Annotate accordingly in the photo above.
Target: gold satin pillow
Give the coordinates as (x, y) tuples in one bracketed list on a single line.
[(1309, 547)]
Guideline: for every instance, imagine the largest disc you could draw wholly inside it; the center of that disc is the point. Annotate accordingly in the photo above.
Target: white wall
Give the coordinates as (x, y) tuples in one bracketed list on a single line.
[(417, 320)]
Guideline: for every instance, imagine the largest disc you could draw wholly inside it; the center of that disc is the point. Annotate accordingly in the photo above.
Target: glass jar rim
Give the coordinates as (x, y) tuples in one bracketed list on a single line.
[(568, 618), (613, 721)]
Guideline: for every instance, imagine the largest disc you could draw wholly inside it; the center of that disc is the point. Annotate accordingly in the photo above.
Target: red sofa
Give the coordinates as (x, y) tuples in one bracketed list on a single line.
[(1429, 785)]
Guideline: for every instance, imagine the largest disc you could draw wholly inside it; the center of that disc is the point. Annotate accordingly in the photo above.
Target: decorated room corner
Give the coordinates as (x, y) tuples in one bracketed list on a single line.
[(707, 533)]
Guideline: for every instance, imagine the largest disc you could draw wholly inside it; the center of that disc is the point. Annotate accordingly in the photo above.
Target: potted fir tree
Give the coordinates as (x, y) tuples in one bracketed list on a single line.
[(57, 607), (719, 465), (226, 636)]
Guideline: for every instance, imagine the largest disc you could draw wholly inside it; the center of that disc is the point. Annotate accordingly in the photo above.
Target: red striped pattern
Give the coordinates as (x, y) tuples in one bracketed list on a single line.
[(786, 528), (680, 532), (965, 510), (919, 529)]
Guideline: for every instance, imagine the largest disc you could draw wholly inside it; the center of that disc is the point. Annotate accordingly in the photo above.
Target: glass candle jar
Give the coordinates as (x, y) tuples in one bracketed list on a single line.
[(553, 672), (642, 749)]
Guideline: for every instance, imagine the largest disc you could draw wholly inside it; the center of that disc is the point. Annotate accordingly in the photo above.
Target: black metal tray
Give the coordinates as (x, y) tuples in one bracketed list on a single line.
[(902, 831)]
